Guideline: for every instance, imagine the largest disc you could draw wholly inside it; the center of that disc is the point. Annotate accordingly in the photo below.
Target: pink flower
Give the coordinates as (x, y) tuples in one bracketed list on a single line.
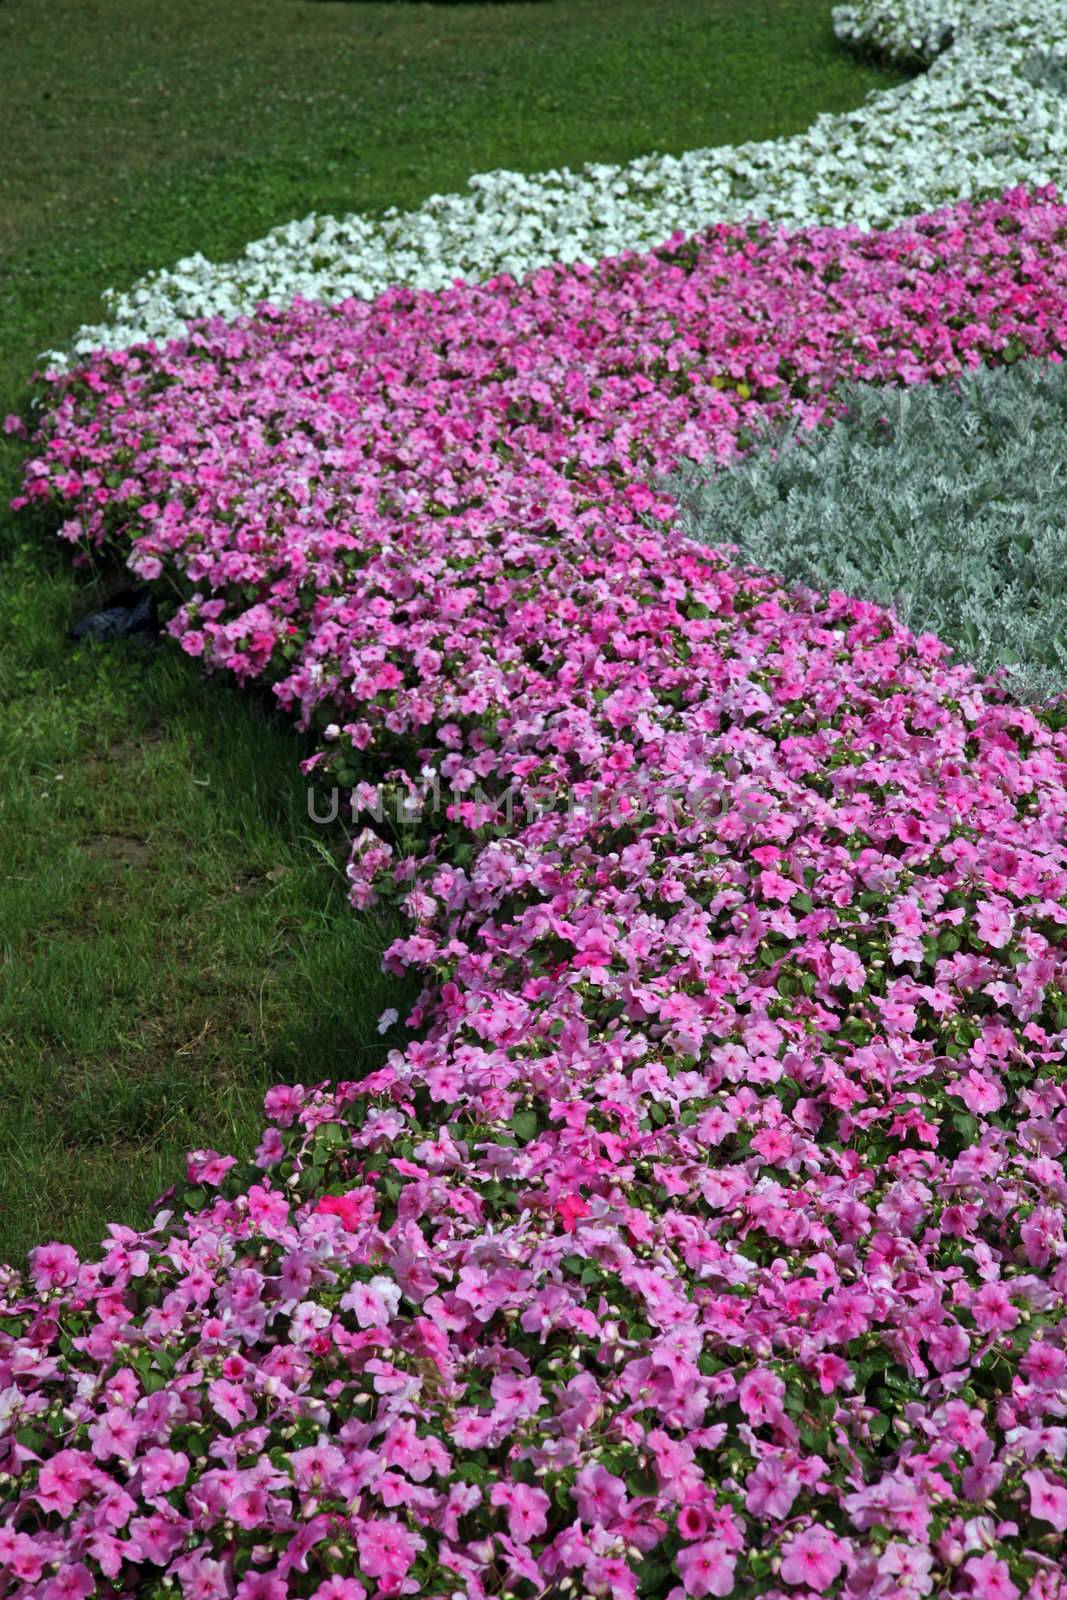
[(832, 1373), (692, 1523), (338, 1588), (22, 1555), (527, 1509), (73, 1581), (162, 1470), (282, 1103), (420, 1457), (202, 1578), (387, 1550), (316, 1466), (979, 1093), (771, 1489), (262, 1586), (993, 1310), (601, 1496), (760, 1394), (232, 1403), (64, 1480), (706, 1568), (949, 1347), (846, 968), (53, 1266), (417, 522), (374, 1304), (1044, 1364), (991, 1578), (1048, 1498), (813, 1558), (207, 1166), (995, 922)]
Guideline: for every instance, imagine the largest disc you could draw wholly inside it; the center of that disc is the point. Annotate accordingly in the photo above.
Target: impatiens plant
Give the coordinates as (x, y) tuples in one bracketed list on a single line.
[(709, 1237), (710, 1241)]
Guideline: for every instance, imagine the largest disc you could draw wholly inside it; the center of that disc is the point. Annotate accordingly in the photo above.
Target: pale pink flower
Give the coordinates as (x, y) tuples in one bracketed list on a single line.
[(1048, 1498), (991, 1578), (706, 1568), (813, 1558)]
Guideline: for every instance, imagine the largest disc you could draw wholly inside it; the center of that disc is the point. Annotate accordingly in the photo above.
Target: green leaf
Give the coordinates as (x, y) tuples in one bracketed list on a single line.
[(32, 1439), (966, 1126), (331, 1134), (524, 1126), (653, 1574)]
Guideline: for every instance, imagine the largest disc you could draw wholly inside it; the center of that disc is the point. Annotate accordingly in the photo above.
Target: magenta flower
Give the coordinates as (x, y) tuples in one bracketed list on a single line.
[(53, 1266), (262, 1586), (993, 1310), (338, 1588), (353, 1208), (387, 1550), (527, 1509)]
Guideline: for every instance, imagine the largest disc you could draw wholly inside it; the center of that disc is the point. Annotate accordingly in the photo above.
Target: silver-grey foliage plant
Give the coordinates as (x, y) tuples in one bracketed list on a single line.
[(945, 502)]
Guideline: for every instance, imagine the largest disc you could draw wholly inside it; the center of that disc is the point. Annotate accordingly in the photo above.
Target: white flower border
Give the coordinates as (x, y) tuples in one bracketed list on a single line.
[(971, 125)]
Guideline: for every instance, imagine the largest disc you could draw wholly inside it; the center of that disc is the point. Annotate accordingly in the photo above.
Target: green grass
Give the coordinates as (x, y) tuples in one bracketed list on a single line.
[(171, 939), (174, 935)]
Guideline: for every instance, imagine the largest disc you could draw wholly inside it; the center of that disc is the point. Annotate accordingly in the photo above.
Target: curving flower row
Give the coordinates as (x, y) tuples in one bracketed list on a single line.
[(987, 114), (710, 1238), (311, 474)]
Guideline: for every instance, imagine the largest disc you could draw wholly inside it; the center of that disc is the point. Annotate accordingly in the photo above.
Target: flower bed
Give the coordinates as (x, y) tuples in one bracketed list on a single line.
[(710, 1238), (984, 117), (302, 470)]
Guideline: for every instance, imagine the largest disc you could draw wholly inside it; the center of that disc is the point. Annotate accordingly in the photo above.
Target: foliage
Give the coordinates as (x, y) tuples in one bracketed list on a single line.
[(943, 501)]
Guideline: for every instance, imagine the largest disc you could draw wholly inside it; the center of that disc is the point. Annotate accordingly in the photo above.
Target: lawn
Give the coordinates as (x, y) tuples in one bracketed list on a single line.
[(174, 934)]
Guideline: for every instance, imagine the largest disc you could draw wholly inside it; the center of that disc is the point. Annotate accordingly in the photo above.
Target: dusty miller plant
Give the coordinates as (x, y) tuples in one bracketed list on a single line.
[(945, 502)]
